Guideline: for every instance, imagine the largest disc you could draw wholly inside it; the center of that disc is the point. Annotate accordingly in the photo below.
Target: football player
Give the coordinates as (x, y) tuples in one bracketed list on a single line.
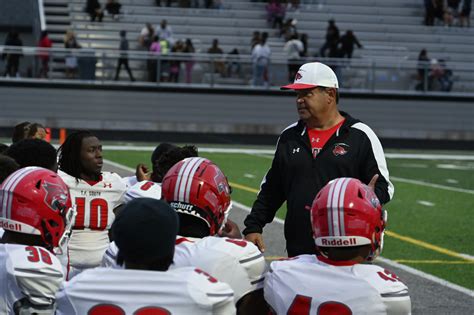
[(141, 169), (94, 193), (145, 233), (36, 213), (348, 226), (7, 166), (199, 192), (34, 152)]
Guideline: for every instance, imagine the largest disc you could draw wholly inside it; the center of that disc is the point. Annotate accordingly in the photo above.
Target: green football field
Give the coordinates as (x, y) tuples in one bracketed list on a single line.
[(431, 217)]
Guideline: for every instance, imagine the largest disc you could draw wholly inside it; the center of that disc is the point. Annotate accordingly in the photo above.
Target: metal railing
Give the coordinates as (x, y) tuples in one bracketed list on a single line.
[(358, 74)]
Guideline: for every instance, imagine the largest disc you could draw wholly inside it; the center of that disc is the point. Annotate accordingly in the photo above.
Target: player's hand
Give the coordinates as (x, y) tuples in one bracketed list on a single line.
[(230, 230), (257, 239), (373, 181), (142, 172)]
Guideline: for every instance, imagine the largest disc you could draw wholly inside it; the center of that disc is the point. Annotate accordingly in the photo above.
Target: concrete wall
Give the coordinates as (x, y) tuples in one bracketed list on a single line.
[(435, 118), (21, 14)]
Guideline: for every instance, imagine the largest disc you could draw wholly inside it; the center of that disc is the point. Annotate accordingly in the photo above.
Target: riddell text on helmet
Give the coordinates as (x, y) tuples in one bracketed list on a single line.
[(349, 242), (10, 226)]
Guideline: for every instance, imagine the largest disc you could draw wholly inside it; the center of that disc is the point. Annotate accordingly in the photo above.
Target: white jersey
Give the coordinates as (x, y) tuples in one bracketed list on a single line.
[(28, 273), (94, 203), (176, 291), (304, 284), (236, 262)]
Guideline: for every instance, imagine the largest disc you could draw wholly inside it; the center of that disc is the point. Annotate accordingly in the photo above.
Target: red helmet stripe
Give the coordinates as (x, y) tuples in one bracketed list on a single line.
[(9, 186)]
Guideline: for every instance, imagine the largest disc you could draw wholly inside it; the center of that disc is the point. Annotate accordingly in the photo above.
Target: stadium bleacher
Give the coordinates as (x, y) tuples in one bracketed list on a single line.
[(389, 29)]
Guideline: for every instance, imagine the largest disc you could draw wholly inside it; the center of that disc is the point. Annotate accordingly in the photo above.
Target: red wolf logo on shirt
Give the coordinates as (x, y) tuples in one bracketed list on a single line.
[(340, 149)]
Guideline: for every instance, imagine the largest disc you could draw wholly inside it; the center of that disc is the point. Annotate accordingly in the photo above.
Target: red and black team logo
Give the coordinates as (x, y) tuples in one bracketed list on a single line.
[(56, 197), (340, 149), (298, 76)]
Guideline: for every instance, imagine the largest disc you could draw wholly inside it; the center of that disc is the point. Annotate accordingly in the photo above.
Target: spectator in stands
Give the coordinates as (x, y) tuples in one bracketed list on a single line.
[(304, 40), (255, 39), (44, 44), (146, 35), (123, 60), (175, 64), (423, 64), (429, 12), (164, 63), (275, 13), (293, 49), (289, 29), (70, 42), (261, 54), (94, 10), (464, 16), (165, 32), (219, 65), (233, 63), (209, 4), (20, 131), (12, 55), (293, 5), (440, 12), (113, 8), (168, 3), (36, 131), (189, 64), (184, 3), (446, 78), (346, 44), (332, 38), (155, 50)]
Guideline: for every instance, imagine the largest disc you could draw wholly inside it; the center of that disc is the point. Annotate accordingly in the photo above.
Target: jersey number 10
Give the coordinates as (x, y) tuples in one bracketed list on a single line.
[(98, 214)]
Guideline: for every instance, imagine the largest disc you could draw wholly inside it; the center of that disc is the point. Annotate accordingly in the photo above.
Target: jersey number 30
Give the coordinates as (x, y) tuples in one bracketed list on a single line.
[(302, 305), (98, 214)]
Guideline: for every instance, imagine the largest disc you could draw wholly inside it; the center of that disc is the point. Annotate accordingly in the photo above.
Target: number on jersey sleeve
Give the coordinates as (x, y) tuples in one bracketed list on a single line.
[(117, 310), (301, 305), (387, 275), (37, 254), (240, 243), (98, 214)]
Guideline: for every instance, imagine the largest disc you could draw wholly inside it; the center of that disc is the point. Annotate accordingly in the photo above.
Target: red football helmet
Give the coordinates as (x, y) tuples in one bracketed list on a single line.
[(347, 213), (197, 187), (34, 200)]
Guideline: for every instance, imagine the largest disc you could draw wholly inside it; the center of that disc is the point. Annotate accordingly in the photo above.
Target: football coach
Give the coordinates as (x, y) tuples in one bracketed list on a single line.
[(323, 145)]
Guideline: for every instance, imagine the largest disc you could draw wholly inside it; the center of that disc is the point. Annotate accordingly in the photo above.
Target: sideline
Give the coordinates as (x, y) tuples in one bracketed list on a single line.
[(384, 260)]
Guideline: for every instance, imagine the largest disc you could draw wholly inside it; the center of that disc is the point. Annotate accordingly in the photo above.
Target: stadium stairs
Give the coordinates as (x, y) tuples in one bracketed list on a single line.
[(390, 29)]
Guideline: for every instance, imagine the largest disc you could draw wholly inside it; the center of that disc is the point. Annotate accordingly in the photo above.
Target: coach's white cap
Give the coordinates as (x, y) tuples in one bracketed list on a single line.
[(311, 75)]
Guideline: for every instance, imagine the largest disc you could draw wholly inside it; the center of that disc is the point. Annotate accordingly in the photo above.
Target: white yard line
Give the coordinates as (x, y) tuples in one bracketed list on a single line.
[(265, 151), (421, 183)]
